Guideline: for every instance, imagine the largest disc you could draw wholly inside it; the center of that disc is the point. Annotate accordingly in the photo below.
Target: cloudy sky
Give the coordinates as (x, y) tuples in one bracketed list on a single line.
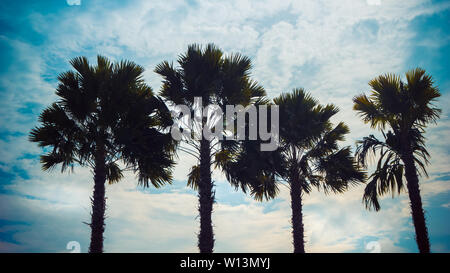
[(331, 48)]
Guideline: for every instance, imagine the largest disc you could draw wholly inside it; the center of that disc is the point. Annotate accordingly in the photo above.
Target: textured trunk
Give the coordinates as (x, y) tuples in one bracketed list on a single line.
[(297, 216), (98, 202), (415, 200), (206, 199)]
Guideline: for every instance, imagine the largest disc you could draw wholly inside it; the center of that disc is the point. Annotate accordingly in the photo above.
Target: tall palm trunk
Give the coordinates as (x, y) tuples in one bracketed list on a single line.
[(415, 200), (98, 202), (206, 199), (297, 207)]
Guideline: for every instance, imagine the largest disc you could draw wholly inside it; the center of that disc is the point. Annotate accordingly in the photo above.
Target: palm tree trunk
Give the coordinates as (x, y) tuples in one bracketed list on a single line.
[(98, 202), (415, 200), (206, 199), (297, 215)]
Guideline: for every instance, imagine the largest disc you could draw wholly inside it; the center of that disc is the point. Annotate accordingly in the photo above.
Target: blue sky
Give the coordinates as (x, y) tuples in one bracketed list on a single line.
[(331, 48)]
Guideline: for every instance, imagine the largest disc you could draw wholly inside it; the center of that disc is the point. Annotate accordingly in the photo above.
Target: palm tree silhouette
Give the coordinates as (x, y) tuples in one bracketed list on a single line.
[(104, 114), (308, 156), (405, 109), (218, 80)]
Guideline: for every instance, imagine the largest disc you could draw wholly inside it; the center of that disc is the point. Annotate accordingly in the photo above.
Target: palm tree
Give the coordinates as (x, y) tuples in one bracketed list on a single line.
[(219, 80), (308, 156), (104, 114), (405, 109)]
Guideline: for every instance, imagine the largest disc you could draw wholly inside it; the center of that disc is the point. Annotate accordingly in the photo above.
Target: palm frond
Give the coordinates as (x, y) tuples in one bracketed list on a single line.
[(369, 112), (113, 173), (340, 171), (194, 177)]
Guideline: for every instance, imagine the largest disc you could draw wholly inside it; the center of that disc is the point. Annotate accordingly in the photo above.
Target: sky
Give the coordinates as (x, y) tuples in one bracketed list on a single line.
[(330, 48)]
